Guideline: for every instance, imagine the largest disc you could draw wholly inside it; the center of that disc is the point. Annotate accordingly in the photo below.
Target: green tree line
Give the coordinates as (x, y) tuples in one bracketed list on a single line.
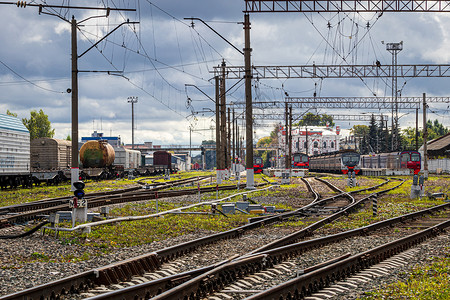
[(38, 124)]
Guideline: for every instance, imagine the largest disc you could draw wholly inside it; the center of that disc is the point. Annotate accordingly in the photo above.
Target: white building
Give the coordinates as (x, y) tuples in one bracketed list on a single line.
[(311, 140)]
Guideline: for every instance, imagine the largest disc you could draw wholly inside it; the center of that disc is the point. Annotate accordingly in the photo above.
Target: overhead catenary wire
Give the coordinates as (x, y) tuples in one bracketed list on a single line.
[(29, 81)]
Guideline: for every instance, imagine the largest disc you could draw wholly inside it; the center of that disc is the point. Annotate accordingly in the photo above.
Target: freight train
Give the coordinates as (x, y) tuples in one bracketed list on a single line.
[(23, 163), (343, 161)]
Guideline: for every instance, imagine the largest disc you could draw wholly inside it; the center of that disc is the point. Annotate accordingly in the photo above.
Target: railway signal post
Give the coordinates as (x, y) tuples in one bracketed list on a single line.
[(351, 181), (415, 188), (78, 203)]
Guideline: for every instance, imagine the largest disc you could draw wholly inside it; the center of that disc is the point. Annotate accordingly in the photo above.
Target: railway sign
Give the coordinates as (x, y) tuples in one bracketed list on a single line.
[(77, 203)]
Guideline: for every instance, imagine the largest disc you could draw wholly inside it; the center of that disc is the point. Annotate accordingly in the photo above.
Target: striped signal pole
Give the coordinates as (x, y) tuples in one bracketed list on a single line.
[(375, 205)]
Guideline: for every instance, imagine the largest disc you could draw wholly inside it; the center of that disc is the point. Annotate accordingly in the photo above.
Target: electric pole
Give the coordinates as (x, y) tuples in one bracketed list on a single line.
[(425, 135), (248, 106), (79, 213), (286, 141), (132, 100)]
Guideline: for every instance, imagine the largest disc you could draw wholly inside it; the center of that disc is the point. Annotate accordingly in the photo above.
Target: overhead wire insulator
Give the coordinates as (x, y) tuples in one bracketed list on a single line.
[(21, 4)]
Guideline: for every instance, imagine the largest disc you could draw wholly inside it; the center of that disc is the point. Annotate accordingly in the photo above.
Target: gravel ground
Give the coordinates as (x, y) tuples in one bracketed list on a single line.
[(22, 268)]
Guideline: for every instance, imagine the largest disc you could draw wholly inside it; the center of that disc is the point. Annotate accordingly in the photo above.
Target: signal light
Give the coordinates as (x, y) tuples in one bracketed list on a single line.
[(79, 192), (21, 4)]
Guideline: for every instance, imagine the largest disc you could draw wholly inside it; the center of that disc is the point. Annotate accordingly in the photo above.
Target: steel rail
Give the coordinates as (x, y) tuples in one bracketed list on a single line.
[(307, 284), (125, 270), (44, 203), (315, 194), (201, 286), (307, 231), (114, 199)]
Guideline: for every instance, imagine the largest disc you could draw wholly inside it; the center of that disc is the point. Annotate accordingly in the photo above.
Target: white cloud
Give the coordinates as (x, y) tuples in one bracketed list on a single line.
[(38, 48)]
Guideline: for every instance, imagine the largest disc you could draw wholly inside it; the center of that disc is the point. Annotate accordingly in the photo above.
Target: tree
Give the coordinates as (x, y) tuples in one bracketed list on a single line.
[(264, 142), (11, 113), (360, 131), (38, 125), (364, 145), (373, 135), (68, 138), (311, 119), (434, 129)]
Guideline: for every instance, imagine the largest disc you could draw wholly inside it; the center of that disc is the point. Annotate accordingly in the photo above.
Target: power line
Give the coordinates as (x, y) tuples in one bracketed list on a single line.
[(29, 81)]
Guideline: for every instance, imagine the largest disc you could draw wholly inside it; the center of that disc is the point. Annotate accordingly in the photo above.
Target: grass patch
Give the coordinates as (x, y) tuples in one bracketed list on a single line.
[(427, 282)]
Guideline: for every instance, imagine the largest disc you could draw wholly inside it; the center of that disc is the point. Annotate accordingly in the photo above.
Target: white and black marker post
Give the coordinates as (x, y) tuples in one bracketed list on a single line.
[(198, 187), (374, 205)]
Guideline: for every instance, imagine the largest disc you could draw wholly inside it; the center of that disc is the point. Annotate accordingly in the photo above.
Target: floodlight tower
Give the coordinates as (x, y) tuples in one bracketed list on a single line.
[(132, 100), (394, 48)]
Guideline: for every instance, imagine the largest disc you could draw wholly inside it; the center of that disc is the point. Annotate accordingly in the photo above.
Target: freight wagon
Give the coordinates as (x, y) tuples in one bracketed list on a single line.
[(14, 152), (48, 160)]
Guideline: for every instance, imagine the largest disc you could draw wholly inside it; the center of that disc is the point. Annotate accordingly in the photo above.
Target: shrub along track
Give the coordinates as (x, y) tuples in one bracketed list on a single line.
[(124, 271)]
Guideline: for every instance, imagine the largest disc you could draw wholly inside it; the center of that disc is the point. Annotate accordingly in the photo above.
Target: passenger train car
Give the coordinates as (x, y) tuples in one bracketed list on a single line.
[(300, 161), (344, 161), (393, 161), (257, 164)]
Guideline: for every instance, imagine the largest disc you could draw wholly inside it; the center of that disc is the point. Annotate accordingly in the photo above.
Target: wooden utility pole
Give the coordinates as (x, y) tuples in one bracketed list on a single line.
[(74, 99), (417, 129), (425, 135), (229, 159), (286, 129), (218, 147), (248, 106), (233, 159), (290, 138), (223, 125)]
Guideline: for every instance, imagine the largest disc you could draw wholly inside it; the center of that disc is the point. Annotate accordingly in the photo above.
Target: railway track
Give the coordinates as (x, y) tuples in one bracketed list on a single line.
[(124, 271), (253, 274), (32, 210)]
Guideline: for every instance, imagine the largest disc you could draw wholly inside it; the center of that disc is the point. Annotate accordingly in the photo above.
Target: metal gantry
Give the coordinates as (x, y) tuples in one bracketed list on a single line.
[(380, 6), (345, 102), (338, 71), (336, 117)]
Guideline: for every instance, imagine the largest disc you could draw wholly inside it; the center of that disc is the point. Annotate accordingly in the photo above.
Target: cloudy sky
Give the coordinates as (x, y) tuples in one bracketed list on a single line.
[(166, 62)]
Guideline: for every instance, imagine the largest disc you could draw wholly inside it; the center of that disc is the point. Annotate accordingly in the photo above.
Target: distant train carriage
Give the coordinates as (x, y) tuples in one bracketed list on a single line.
[(14, 152), (393, 161), (162, 161), (50, 154), (257, 164), (300, 161), (50, 160), (336, 162)]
